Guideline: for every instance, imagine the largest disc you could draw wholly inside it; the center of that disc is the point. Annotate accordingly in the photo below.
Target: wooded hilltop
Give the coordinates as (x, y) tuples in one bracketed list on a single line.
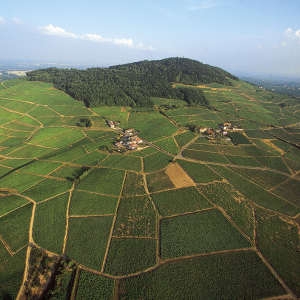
[(134, 84)]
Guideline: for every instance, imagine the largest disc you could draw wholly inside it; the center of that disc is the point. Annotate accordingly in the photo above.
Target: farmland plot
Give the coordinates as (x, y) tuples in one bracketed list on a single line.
[(156, 162), (93, 287), (234, 203), (278, 239), (129, 256), (224, 276), (201, 232), (205, 156), (179, 201), (29, 151), (48, 188), (264, 178), (199, 172), (159, 181), (136, 217), (11, 273), (168, 145), (84, 204), (10, 203), (257, 194), (183, 138), (19, 181), (87, 240), (66, 154), (108, 182), (133, 185), (91, 159), (289, 190), (40, 167), (50, 223), (123, 162), (243, 161), (14, 227)]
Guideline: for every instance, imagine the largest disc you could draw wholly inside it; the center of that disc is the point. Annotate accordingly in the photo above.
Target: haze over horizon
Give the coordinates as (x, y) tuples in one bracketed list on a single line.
[(236, 35)]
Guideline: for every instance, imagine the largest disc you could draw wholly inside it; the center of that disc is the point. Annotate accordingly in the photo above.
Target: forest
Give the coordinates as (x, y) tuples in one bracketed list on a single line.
[(134, 84)]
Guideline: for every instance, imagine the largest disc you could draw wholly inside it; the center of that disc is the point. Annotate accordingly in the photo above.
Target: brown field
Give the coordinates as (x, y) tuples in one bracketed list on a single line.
[(178, 176)]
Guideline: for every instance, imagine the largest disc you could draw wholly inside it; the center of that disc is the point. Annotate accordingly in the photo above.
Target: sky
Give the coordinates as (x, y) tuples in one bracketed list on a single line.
[(241, 36)]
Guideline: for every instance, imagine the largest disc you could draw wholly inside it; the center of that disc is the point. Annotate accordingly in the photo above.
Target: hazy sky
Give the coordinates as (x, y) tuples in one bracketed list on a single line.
[(238, 35)]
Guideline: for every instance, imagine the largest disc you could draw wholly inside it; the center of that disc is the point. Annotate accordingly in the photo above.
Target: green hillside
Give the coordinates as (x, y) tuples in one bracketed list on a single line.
[(186, 215), (134, 84)]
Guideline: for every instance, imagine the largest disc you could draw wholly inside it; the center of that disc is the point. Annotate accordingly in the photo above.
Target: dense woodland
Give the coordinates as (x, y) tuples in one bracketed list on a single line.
[(134, 84)]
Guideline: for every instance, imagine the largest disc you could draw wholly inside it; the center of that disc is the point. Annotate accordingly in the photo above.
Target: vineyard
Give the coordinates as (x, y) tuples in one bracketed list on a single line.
[(185, 216)]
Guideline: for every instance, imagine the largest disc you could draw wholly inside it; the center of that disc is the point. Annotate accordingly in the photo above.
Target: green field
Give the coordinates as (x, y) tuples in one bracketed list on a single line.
[(129, 256), (133, 185), (85, 204), (48, 188), (136, 217), (87, 240), (179, 201), (224, 276), (11, 273), (168, 145), (50, 223), (10, 203), (200, 173), (156, 162), (184, 138), (257, 194), (201, 232), (278, 239), (19, 181), (94, 287), (205, 156), (234, 203), (130, 163), (14, 227), (109, 182), (158, 181), (131, 232)]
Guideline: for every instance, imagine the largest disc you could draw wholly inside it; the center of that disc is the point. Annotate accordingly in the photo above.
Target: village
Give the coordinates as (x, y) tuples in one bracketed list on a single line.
[(222, 130), (129, 138)]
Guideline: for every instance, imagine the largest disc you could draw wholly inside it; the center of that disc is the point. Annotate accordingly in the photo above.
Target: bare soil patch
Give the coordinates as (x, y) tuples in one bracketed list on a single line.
[(178, 176)]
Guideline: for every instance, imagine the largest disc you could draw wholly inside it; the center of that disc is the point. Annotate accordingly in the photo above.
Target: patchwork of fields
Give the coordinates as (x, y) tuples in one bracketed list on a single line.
[(183, 215)]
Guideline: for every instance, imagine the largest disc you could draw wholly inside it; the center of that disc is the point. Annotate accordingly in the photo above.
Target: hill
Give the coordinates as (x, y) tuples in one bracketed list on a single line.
[(205, 215), (133, 84)]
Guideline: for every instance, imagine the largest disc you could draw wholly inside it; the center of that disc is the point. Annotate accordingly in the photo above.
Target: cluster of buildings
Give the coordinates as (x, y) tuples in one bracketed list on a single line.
[(112, 124), (129, 140), (223, 130)]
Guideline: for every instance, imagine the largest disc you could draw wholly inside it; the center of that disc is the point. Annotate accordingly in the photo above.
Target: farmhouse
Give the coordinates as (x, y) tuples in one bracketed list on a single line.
[(111, 124), (138, 140), (229, 126), (237, 129), (130, 142), (202, 129), (119, 144), (132, 146), (226, 126), (130, 130)]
